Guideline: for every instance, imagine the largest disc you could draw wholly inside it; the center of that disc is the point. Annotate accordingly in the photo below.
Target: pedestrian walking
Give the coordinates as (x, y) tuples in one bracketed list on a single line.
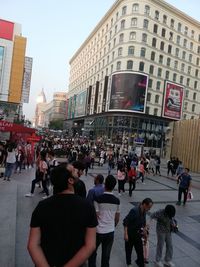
[(184, 181), (41, 175), (108, 212), (97, 190), (121, 178), (132, 180), (10, 162)]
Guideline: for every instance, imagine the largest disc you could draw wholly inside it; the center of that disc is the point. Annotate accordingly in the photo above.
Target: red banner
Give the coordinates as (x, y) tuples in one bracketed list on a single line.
[(173, 101), (6, 126)]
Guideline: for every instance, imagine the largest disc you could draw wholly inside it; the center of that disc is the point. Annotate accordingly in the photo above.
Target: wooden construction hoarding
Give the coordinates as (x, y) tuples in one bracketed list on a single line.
[(186, 143)]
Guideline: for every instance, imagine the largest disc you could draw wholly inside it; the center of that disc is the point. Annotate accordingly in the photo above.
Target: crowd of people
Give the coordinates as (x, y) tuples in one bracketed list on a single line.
[(82, 221)]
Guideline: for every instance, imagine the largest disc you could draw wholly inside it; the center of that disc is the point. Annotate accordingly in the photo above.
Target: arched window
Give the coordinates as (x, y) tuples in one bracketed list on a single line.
[(141, 66), (143, 52), (118, 65), (135, 7), (154, 42), (120, 51), (124, 9), (123, 24), (147, 10), (133, 22), (151, 69), (129, 64), (121, 37), (153, 55), (131, 50), (145, 24), (132, 36), (157, 15), (157, 99), (144, 37)]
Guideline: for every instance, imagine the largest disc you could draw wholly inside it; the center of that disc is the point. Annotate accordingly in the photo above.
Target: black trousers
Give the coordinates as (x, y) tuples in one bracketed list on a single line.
[(106, 240), (183, 191), (136, 242), (38, 178)]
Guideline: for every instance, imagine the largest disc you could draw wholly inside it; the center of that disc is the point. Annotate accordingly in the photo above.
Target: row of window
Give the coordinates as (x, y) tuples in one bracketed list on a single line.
[(147, 11), (169, 49)]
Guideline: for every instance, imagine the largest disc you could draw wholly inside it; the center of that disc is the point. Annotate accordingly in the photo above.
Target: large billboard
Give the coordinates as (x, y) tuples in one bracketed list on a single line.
[(173, 101), (8, 111), (1, 61), (27, 79), (81, 104), (128, 92), (6, 29)]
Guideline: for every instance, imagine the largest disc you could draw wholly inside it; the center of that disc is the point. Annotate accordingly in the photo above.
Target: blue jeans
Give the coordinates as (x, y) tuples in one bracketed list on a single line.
[(9, 169), (106, 240)]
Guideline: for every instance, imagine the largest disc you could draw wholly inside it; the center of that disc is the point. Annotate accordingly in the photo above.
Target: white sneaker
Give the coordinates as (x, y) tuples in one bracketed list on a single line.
[(29, 195), (169, 263), (159, 264)]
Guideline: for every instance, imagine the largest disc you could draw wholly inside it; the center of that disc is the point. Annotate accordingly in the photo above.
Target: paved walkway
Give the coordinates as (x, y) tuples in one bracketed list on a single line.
[(16, 211)]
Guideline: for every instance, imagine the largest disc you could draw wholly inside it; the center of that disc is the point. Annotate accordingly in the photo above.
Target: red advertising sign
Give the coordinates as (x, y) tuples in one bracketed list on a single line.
[(6, 29), (6, 126), (173, 101)]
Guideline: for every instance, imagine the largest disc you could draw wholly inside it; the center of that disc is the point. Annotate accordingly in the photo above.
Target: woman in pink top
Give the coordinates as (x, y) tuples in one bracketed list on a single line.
[(141, 171), (121, 177)]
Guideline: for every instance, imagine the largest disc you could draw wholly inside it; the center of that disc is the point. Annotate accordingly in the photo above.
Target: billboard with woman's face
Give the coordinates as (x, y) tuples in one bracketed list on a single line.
[(128, 91), (173, 101)]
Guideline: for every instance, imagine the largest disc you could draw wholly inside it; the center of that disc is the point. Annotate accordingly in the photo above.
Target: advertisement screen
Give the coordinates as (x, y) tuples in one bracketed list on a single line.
[(8, 110), (1, 60), (6, 29), (128, 91), (173, 101), (80, 104)]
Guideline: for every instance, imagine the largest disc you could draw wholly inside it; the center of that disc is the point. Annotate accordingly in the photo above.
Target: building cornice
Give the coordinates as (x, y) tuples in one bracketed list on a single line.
[(161, 3)]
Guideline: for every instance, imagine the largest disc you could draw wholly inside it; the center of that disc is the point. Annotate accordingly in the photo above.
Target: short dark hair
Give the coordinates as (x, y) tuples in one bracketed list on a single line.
[(110, 182), (147, 201), (187, 169), (79, 165), (100, 178), (170, 211), (59, 178)]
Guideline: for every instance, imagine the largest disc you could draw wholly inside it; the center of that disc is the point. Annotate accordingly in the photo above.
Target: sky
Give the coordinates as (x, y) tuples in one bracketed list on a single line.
[(55, 29)]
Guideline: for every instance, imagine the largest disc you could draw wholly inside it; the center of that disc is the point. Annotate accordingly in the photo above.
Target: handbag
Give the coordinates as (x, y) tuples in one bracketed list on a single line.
[(190, 195), (174, 225), (2, 169)]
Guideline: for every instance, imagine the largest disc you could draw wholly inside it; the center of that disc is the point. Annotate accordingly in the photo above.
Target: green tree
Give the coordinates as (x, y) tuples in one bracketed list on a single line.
[(56, 125)]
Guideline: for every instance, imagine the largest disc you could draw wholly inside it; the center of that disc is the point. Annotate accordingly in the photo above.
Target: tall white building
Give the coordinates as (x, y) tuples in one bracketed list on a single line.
[(139, 69)]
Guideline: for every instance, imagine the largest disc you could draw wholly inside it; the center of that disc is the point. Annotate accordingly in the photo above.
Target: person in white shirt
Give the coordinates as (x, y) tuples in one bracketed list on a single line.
[(10, 162)]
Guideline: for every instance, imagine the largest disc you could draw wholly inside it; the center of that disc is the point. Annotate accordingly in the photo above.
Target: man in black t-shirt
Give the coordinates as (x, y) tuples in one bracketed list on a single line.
[(63, 227), (79, 187)]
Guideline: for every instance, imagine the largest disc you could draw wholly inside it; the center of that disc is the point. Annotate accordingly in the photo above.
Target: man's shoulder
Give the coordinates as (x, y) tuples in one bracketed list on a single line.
[(108, 198)]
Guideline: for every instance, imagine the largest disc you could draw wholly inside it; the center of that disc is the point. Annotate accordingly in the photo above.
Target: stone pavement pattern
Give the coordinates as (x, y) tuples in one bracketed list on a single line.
[(16, 212)]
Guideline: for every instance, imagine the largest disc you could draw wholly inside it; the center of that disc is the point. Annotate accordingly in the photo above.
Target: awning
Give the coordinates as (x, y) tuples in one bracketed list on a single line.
[(6, 126)]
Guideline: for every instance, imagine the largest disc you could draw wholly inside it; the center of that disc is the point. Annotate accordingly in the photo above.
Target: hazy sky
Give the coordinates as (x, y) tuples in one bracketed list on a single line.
[(55, 29)]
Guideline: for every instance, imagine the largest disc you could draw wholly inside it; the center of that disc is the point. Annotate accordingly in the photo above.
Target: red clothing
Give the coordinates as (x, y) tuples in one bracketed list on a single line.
[(132, 174)]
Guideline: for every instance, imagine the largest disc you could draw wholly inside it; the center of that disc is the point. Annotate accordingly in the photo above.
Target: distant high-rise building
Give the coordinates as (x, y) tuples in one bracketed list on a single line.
[(15, 68), (138, 70)]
